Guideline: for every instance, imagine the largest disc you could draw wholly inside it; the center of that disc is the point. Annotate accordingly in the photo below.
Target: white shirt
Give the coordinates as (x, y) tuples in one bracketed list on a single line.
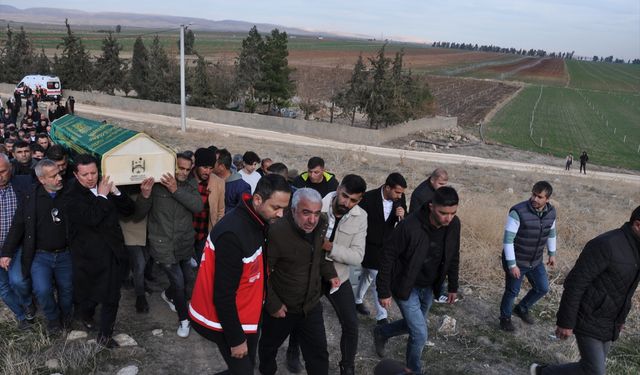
[(252, 179), (387, 205)]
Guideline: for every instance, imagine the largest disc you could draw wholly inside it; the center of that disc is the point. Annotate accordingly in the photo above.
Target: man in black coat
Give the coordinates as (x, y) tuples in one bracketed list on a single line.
[(424, 192), (385, 207), (97, 245), (597, 297)]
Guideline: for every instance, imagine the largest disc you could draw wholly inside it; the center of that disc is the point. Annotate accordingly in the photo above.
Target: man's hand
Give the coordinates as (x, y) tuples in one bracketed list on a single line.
[(335, 282), (551, 262), (327, 245), (400, 212), (167, 180), (563, 333), (146, 186), (280, 313), (515, 272), (5, 262), (451, 298), (105, 186), (385, 302), (240, 350)]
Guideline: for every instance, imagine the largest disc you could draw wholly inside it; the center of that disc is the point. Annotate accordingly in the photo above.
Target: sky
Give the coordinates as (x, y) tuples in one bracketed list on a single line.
[(588, 27)]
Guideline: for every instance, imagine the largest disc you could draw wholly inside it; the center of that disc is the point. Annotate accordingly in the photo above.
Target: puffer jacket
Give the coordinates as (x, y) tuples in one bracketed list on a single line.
[(598, 290), (170, 221)]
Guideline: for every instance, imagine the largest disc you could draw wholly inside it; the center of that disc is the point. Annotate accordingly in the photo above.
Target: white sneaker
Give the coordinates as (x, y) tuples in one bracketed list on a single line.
[(168, 301), (184, 328), (429, 344), (193, 263), (441, 299)]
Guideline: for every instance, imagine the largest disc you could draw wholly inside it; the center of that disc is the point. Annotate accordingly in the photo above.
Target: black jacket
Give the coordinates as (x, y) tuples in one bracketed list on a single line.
[(406, 250), (377, 228), (598, 290), (421, 195)]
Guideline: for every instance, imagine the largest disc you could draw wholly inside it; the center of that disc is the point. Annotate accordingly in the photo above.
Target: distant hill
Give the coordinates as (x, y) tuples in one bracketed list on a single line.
[(57, 16)]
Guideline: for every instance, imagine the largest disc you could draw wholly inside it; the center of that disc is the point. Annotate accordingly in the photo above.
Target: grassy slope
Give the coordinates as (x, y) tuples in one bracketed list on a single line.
[(604, 76)]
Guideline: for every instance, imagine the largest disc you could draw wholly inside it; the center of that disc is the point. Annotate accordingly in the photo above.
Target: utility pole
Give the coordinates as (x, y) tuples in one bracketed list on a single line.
[(183, 109)]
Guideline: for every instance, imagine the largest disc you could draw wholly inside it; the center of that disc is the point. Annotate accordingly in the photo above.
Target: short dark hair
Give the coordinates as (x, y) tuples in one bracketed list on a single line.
[(542, 186), (36, 147), (83, 159), (315, 161), (354, 184), (445, 196), (20, 144), (224, 157), (250, 157), (396, 179), (56, 153), (185, 156), (42, 135), (279, 168), (635, 215), (271, 183)]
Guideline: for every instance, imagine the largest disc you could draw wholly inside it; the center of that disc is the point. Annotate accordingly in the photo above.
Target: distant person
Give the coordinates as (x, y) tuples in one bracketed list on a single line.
[(234, 186), (584, 158), (597, 297), (250, 161), (317, 178), (530, 226), (569, 161), (264, 166), (424, 192)]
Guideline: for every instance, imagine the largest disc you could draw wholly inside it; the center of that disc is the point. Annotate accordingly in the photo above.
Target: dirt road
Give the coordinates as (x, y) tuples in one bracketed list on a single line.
[(299, 140)]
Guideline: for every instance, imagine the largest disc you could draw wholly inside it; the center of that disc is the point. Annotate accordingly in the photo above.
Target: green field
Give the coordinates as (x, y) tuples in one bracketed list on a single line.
[(604, 76), (572, 120)]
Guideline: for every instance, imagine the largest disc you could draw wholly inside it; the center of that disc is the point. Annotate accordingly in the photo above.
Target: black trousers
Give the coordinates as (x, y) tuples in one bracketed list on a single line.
[(344, 304), (310, 332), (108, 313), (242, 366)]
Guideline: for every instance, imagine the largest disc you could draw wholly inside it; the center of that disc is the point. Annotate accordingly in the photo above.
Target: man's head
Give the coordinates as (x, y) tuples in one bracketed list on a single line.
[(237, 161), (265, 164), (315, 168), (278, 168), (394, 187), (306, 206), (49, 175), (22, 152), (348, 194), (438, 178), (37, 152), (9, 143), (443, 207), (540, 194), (205, 161), (5, 170), (86, 170), (635, 222), (271, 197), (43, 140), (223, 163), (58, 154), (183, 167), (250, 161)]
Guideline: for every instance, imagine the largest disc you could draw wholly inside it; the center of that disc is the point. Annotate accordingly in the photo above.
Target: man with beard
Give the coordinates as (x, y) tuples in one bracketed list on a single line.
[(40, 226), (226, 304), (234, 186), (97, 245), (204, 162), (530, 225), (422, 250)]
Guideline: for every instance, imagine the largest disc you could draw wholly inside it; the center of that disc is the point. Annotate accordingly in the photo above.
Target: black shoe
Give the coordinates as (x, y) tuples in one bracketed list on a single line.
[(347, 370), (30, 313), (24, 325), (524, 315), (360, 307), (506, 325), (53, 327), (67, 322), (382, 321), (293, 361), (88, 323), (142, 306), (379, 342), (536, 369), (107, 342)]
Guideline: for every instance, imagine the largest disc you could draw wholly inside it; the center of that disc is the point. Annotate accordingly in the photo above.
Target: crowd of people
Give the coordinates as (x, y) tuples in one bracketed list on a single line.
[(250, 248)]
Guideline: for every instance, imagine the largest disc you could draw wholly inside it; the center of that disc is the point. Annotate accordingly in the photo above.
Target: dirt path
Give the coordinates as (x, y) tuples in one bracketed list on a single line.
[(230, 130)]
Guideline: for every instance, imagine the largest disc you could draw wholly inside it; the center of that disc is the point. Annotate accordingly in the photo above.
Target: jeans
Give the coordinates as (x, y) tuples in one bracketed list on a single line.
[(138, 259), (368, 278), (593, 354), (414, 321), (47, 266), (539, 281), (15, 290), (180, 276), (310, 332)]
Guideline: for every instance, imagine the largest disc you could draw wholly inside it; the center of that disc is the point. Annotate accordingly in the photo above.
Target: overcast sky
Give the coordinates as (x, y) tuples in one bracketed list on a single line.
[(590, 27)]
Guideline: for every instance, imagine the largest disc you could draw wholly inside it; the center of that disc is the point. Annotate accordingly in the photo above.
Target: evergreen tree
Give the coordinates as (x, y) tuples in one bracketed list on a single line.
[(41, 63), (223, 84), (139, 72), (189, 41), (201, 89), (248, 65), (164, 79), (380, 91), (275, 86), (16, 58), (110, 66), (73, 66), (354, 99)]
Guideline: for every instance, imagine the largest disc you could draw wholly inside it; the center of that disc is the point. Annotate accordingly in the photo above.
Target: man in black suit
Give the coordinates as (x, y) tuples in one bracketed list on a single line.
[(385, 207), (424, 192)]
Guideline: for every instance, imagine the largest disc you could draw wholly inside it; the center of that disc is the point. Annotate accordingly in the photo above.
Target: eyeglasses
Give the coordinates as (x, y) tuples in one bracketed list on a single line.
[(54, 216)]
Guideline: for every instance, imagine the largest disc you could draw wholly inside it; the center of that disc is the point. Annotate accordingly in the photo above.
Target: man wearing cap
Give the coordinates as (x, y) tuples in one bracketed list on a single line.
[(205, 160)]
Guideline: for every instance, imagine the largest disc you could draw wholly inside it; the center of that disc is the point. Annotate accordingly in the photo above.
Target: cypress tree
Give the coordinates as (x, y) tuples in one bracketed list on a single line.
[(73, 66), (110, 66), (139, 72)]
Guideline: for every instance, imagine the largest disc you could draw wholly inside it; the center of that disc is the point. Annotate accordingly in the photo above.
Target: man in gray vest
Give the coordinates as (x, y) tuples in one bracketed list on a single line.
[(530, 225)]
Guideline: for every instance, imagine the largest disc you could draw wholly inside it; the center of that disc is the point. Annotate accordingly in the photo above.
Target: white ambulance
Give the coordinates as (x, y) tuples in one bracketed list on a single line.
[(51, 86)]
